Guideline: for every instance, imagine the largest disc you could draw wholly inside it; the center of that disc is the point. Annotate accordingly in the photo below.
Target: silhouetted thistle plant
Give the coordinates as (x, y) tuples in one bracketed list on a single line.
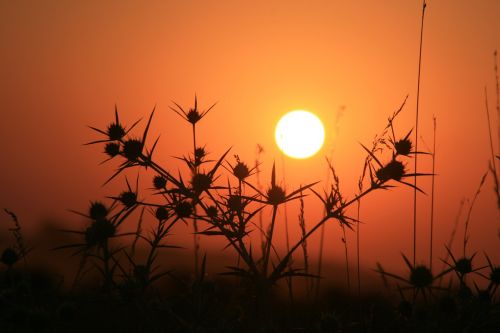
[(420, 278), (228, 211)]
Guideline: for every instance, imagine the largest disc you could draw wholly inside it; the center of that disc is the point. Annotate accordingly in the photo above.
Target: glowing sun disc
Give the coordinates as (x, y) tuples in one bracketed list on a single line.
[(299, 134)]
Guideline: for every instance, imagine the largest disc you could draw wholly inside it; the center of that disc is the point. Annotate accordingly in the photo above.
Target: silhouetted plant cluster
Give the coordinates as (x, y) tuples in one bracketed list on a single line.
[(219, 198)]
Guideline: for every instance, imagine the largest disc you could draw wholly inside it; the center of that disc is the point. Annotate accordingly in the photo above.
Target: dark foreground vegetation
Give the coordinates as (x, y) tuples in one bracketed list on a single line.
[(118, 288)]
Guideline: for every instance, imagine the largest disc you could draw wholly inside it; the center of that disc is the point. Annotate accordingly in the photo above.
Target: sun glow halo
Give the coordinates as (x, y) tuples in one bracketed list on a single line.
[(299, 134)]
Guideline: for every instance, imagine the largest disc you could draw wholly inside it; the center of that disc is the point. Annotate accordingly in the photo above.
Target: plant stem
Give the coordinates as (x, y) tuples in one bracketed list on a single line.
[(416, 136), (269, 240), (432, 193)]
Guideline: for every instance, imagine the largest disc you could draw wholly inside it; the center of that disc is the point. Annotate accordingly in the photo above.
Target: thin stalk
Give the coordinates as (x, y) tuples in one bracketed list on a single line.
[(348, 275), (320, 257), (452, 236), (416, 136), (196, 241), (358, 248), (467, 220), (269, 240), (432, 193), (259, 186), (489, 131)]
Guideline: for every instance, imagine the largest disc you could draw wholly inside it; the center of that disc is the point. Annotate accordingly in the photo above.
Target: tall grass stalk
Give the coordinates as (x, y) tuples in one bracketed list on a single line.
[(424, 5), (469, 213), (432, 191)]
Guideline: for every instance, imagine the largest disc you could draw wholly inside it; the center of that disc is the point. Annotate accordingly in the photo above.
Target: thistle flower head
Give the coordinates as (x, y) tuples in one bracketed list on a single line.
[(128, 198), (132, 149), (201, 182), (235, 203), (241, 171), (159, 182), (276, 195), (112, 149), (403, 147), (212, 212), (393, 170), (97, 210), (99, 232), (183, 209), (421, 277), (463, 266), (161, 213), (115, 131), (495, 275)]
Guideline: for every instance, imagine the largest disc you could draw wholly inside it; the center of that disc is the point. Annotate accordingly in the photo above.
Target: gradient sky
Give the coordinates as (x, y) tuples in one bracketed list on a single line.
[(64, 65)]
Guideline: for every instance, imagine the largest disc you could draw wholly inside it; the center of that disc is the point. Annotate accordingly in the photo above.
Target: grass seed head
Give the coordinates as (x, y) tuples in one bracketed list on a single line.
[(276, 195), (132, 149), (128, 198), (159, 182), (99, 232), (112, 149), (97, 210), (421, 277), (9, 257), (393, 170)]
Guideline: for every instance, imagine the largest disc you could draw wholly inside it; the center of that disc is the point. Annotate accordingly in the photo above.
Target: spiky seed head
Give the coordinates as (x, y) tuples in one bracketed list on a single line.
[(193, 116), (495, 275), (161, 213), (9, 257), (235, 203), (112, 149), (183, 209), (115, 131), (463, 266), (405, 309), (128, 198), (393, 170), (97, 210), (241, 171), (212, 212), (276, 195), (99, 232), (201, 182), (403, 147), (159, 182), (421, 277), (199, 154), (132, 149)]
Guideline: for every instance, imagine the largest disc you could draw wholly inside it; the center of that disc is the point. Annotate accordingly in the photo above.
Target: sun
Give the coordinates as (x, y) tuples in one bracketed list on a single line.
[(299, 134)]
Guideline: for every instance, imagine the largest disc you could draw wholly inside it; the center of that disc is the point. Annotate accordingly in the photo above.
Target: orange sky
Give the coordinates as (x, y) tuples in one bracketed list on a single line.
[(64, 65)]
